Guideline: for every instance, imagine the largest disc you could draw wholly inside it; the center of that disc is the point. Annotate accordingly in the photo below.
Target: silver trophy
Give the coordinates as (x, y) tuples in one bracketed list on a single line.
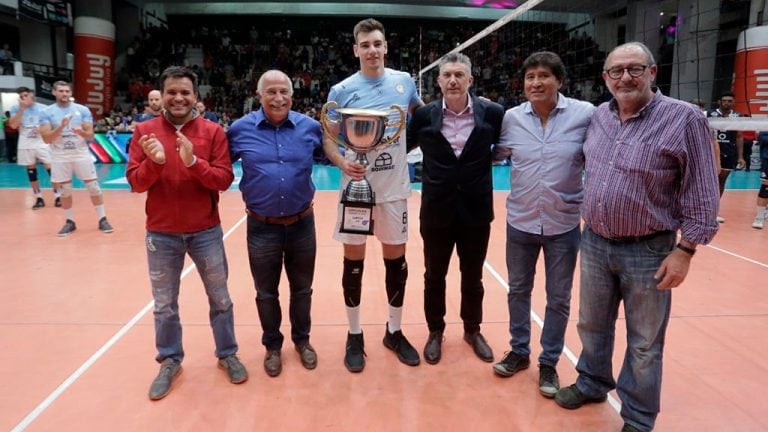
[(360, 130)]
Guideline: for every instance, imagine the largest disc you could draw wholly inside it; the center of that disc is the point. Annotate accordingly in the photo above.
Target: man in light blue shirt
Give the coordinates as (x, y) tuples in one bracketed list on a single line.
[(68, 127), (543, 137), (25, 116)]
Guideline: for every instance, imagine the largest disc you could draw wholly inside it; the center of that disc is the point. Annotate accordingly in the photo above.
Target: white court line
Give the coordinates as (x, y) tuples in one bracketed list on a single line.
[(35, 413), (537, 319), (733, 254)]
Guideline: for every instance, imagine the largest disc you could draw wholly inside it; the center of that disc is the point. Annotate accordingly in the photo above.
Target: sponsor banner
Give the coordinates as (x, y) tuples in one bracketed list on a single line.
[(44, 86), (94, 64)]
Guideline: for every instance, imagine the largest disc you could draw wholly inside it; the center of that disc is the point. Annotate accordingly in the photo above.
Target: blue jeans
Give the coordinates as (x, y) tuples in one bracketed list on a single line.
[(269, 247), (612, 273), (560, 253), (165, 254)]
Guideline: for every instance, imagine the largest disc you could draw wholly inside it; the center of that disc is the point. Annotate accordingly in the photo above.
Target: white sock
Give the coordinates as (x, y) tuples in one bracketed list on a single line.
[(395, 318), (38, 193), (56, 193), (761, 211), (69, 213), (100, 211), (353, 316)]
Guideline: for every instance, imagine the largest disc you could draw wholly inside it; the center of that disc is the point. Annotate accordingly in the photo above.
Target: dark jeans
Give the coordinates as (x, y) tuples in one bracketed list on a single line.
[(560, 253), (269, 247), (471, 246), (165, 255)]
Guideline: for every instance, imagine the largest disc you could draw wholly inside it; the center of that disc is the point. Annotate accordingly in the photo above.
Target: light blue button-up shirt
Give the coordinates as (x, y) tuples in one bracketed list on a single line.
[(546, 165)]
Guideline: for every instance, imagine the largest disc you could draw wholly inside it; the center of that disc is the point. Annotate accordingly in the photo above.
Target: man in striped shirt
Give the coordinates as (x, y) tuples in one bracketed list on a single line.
[(650, 172)]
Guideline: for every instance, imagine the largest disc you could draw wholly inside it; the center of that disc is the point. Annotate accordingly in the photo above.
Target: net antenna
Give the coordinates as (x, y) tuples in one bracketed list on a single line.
[(523, 8)]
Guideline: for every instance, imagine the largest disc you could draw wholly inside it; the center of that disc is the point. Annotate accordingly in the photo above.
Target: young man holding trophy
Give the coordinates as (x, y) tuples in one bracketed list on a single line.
[(363, 120)]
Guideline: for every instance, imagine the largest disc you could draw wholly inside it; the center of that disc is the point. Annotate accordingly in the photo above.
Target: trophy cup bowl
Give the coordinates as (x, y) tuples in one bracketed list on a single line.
[(360, 130)]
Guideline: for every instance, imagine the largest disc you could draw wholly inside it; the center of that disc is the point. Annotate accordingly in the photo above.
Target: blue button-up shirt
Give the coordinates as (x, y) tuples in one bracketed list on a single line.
[(546, 165), (277, 162)]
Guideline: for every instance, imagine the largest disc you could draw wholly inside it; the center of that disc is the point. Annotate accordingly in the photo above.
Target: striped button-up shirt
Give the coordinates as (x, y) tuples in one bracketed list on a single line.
[(546, 165), (653, 172)]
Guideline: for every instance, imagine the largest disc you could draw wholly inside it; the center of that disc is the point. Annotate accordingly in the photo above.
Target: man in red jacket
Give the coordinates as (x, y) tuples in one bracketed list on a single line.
[(182, 162)]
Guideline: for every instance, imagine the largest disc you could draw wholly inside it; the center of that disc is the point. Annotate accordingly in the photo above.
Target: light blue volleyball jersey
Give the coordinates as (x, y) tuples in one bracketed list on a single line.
[(29, 136), (388, 167), (69, 146)]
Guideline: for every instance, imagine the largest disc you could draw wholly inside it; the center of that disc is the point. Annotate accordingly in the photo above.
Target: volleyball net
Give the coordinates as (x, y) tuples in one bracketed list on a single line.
[(703, 49)]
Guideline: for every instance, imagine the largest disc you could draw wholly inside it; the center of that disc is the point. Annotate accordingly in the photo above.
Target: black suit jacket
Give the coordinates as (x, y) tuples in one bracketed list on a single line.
[(456, 189)]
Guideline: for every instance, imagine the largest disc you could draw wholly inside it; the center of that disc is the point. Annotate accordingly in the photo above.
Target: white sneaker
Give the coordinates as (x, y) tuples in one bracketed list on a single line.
[(758, 223), (720, 219)]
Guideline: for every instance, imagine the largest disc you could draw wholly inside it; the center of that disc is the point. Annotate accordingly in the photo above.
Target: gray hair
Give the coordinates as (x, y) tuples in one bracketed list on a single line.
[(455, 58), (636, 44), (260, 83)]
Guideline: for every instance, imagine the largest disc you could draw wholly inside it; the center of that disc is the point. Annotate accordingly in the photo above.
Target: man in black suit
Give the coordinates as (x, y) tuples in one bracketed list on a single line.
[(456, 134)]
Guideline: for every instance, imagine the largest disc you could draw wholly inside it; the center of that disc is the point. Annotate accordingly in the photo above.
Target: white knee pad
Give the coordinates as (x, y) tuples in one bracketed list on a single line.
[(66, 189), (93, 188)]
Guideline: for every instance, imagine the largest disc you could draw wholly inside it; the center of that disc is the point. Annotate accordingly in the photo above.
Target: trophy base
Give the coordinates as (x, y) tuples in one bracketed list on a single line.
[(356, 217)]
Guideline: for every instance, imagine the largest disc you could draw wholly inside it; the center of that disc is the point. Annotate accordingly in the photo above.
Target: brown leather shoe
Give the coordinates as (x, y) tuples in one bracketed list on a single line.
[(433, 348), (479, 345), (272, 363), (307, 355)]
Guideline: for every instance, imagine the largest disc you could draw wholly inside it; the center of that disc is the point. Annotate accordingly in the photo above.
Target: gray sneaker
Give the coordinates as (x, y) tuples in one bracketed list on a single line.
[(235, 370), (161, 386), (39, 203), (68, 228), (104, 226), (549, 384)]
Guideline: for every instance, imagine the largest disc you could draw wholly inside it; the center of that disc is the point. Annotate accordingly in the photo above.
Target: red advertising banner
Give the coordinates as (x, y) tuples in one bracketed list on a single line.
[(750, 72), (94, 65)]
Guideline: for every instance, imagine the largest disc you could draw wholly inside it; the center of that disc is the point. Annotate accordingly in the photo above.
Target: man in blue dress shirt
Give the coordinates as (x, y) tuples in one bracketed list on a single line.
[(276, 146)]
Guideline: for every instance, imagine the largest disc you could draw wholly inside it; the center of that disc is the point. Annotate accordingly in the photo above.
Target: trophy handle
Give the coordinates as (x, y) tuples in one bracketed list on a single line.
[(400, 125), (325, 123)]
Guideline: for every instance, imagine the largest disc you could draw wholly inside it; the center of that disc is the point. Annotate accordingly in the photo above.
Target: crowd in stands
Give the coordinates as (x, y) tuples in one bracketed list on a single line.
[(229, 54)]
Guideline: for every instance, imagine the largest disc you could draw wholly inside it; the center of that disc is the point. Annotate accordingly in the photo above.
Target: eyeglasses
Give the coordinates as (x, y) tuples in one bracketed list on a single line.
[(633, 71)]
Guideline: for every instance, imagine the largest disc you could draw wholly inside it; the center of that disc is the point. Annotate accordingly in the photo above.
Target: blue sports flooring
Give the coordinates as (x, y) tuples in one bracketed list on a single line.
[(112, 176)]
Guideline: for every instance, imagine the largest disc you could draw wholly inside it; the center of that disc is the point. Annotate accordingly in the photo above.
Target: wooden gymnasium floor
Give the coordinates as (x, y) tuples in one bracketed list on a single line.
[(78, 348)]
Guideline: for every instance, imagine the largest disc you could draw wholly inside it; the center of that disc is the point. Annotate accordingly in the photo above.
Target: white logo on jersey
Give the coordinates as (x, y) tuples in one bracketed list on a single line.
[(400, 88)]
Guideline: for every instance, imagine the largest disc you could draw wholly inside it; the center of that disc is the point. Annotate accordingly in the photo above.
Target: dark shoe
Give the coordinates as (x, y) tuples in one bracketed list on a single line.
[(161, 386), (104, 226), (307, 355), (629, 428), (272, 363), (235, 370), (57, 202), (549, 383), (68, 228), (39, 203), (433, 348), (479, 346), (354, 357), (397, 342), (511, 364), (571, 397)]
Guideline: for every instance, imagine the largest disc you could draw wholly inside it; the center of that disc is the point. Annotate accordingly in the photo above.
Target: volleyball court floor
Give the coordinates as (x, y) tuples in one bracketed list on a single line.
[(78, 339)]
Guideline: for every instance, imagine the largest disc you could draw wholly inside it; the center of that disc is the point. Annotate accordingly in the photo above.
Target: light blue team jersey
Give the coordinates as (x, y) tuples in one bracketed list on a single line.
[(388, 168), (69, 146), (29, 136)]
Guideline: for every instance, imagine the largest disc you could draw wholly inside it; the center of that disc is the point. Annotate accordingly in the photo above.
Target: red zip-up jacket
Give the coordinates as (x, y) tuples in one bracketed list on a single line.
[(181, 199)]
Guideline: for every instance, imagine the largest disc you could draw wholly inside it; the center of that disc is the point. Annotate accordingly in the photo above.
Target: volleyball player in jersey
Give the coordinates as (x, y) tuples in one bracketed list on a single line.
[(26, 117), (67, 127), (376, 87)]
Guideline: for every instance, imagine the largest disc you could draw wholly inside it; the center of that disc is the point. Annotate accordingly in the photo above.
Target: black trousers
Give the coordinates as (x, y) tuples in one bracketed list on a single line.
[(471, 244)]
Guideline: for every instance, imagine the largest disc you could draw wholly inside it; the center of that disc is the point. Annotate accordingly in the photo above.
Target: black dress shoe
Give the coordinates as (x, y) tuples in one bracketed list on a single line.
[(479, 345), (433, 348)]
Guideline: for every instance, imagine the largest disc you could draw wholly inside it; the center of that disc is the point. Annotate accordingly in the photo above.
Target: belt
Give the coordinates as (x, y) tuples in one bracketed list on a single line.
[(281, 220), (636, 239)]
